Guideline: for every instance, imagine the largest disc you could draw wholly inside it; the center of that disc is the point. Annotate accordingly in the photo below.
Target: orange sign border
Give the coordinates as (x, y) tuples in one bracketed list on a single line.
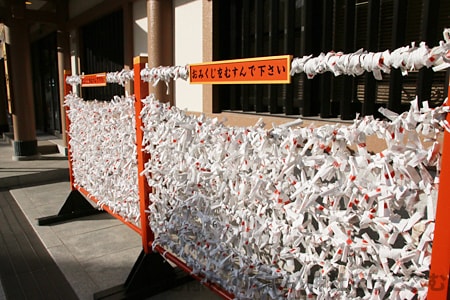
[(99, 78), (286, 60)]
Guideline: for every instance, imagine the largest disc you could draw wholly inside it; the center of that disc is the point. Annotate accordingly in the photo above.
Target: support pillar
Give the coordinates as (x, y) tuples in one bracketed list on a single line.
[(62, 40), (160, 43), (63, 54), (75, 58), (4, 127), (210, 101), (23, 117)]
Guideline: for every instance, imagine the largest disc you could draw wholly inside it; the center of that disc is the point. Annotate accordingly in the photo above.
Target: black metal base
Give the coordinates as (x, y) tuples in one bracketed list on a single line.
[(76, 206), (150, 275)]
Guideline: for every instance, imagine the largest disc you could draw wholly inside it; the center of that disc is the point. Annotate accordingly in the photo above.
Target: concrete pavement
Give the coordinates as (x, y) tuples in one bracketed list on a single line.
[(94, 253)]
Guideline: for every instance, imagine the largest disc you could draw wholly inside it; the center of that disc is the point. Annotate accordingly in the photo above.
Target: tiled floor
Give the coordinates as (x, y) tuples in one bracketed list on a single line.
[(93, 253), (27, 270)]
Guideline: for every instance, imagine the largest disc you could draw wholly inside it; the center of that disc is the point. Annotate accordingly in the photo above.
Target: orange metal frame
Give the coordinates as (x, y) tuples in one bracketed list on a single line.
[(67, 90), (141, 90), (438, 283), (440, 263)]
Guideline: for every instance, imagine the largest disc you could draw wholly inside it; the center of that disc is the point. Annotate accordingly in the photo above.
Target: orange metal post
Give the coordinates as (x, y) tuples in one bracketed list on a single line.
[(440, 259), (67, 90), (141, 91)]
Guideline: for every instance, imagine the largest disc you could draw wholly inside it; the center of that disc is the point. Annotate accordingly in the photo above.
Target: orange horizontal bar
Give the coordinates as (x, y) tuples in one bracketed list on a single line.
[(182, 265), (93, 80), (108, 210), (258, 70)]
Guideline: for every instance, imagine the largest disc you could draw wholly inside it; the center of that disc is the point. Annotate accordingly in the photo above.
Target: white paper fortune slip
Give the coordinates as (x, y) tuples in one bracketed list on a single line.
[(103, 151), (291, 212), (407, 58)]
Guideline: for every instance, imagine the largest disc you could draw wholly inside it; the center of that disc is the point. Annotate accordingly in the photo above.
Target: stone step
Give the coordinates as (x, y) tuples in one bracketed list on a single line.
[(47, 144)]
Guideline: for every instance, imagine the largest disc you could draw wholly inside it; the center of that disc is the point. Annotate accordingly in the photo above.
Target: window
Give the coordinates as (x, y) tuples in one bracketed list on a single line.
[(102, 46), (251, 28)]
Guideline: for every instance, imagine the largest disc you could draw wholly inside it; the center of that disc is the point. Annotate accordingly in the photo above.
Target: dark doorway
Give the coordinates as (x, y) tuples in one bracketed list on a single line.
[(45, 84), (103, 51)]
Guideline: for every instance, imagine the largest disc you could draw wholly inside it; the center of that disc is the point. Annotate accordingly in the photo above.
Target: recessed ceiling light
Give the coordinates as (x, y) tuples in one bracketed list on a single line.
[(28, 2)]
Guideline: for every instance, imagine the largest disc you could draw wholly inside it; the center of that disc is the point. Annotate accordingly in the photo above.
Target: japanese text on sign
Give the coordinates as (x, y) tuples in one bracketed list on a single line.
[(93, 80), (272, 69)]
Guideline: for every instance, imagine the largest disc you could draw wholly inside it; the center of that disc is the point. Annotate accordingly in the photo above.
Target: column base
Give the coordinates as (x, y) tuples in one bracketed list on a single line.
[(25, 150), (29, 157)]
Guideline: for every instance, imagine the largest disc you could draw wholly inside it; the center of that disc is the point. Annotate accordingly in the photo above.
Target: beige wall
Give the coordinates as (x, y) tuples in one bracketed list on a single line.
[(140, 28), (188, 49)]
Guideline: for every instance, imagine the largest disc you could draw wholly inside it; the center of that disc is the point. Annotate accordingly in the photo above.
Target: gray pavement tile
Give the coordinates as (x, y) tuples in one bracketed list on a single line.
[(39, 201), (23, 199), (55, 193), (95, 252), (112, 269), (79, 279), (48, 237), (83, 225), (26, 202), (95, 244)]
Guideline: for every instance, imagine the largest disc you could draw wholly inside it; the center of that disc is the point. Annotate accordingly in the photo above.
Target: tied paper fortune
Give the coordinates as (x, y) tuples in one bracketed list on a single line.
[(297, 212), (103, 151)]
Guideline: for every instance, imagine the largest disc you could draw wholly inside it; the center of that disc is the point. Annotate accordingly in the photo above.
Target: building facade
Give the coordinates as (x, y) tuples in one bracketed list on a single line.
[(47, 38)]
